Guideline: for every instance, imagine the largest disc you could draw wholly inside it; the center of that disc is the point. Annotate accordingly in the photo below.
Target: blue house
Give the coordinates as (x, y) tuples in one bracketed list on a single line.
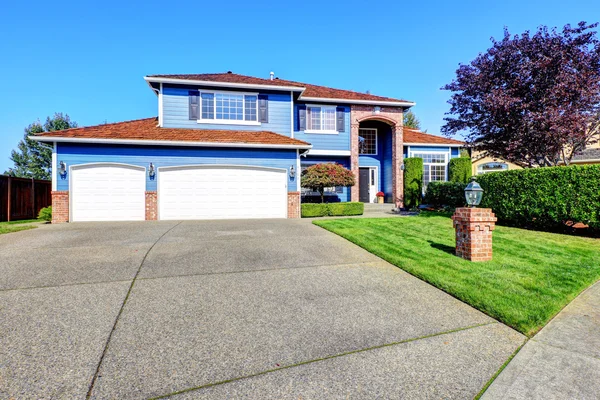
[(233, 146)]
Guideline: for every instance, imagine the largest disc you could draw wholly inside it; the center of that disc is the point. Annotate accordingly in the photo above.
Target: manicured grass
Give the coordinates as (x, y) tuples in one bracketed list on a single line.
[(532, 277), (15, 226)]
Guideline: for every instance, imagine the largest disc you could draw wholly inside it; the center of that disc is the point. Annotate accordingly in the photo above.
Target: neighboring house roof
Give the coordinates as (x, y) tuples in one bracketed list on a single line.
[(146, 131), (587, 155), (309, 91), (414, 136)]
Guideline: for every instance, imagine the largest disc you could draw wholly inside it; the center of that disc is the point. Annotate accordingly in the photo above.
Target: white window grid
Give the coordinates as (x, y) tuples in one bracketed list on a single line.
[(321, 119), (435, 167), (223, 106), (367, 141)]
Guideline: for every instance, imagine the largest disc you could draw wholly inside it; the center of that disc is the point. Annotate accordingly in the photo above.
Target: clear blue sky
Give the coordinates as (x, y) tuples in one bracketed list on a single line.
[(87, 59)]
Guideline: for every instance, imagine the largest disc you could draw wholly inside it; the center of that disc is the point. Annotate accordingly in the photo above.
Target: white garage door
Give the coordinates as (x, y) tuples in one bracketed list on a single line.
[(221, 192), (108, 192)]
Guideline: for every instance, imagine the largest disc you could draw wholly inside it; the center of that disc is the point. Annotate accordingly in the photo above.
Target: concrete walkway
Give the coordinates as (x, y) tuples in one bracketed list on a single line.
[(562, 361), (269, 309)]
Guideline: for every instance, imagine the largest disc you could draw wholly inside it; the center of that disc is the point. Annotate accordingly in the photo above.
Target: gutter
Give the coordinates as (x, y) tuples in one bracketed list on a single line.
[(433, 144), (367, 102), (168, 143)]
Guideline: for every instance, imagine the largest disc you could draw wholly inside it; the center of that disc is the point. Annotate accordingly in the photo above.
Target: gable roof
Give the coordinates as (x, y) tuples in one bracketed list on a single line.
[(146, 131), (308, 91), (587, 155), (414, 136)]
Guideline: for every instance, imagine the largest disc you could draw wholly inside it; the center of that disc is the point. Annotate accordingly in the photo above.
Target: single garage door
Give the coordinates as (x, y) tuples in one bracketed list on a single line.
[(221, 192), (108, 192)]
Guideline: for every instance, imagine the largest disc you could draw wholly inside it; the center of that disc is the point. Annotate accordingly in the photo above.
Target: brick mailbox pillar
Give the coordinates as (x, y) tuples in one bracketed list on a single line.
[(474, 228)]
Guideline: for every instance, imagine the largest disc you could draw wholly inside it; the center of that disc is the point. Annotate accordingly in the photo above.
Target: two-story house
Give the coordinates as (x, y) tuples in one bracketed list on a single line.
[(233, 146)]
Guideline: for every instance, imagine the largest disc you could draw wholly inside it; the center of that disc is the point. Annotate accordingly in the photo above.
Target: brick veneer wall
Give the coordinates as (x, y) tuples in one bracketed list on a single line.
[(293, 205), (394, 117), (60, 206), (474, 228), (151, 205)]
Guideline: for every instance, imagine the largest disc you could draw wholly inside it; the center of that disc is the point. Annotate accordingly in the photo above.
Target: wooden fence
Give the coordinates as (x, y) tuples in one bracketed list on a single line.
[(22, 198)]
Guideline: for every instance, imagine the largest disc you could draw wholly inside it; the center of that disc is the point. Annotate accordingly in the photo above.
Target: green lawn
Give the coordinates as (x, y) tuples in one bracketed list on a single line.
[(532, 277), (16, 226)]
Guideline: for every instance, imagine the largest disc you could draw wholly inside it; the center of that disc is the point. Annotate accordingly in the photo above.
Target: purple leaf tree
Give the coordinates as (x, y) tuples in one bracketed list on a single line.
[(532, 99)]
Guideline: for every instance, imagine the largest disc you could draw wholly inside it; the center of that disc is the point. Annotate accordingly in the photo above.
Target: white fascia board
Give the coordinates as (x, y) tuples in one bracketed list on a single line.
[(433, 144), (222, 84), (593, 160), (329, 153), (368, 102), (168, 143)]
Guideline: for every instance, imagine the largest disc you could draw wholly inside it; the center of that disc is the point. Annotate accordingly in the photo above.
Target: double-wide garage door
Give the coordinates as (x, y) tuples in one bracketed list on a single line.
[(115, 192), (220, 192)]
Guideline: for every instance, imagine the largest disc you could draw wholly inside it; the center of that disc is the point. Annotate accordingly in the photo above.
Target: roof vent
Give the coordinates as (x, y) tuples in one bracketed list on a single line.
[(229, 72), (272, 75)]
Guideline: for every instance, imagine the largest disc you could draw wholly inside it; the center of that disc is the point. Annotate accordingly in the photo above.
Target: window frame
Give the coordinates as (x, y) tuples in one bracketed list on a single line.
[(481, 171), (322, 131), (214, 120), (415, 153), (376, 142)]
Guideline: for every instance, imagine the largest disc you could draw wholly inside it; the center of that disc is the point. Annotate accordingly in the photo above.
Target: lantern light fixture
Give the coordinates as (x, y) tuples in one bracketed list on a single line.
[(151, 171), (473, 193), (292, 171), (62, 169)]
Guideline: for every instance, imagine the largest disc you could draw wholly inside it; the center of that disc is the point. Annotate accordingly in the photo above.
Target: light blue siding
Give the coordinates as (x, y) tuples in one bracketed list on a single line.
[(337, 141), (175, 112), (344, 161), (173, 156)]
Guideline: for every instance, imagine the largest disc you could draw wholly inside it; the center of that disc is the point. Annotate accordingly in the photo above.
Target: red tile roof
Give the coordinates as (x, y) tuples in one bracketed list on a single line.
[(146, 129), (416, 136), (311, 90)]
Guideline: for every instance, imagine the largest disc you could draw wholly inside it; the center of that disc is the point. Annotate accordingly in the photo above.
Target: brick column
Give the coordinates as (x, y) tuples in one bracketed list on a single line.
[(294, 205), (60, 206), (151, 210), (474, 228), (354, 159), (397, 159)]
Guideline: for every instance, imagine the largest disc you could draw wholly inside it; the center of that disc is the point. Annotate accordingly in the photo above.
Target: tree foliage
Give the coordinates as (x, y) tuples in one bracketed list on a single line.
[(320, 176), (532, 99), (411, 120), (33, 159)]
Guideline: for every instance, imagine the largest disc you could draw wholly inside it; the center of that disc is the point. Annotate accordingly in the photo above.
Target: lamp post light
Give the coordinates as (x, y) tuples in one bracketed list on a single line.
[(474, 226), (473, 193)]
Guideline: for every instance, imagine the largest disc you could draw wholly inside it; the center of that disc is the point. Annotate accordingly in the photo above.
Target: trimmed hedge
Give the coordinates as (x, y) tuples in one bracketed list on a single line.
[(544, 198), (451, 194), (460, 169), (413, 181), (332, 209), (45, 214)]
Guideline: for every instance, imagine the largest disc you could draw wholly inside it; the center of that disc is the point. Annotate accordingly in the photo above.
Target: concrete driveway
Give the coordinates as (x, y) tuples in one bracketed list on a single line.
[(229, 309)]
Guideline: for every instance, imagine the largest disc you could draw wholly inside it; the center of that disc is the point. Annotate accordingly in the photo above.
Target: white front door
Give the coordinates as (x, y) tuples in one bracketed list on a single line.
[(107, 192), (221, 192)]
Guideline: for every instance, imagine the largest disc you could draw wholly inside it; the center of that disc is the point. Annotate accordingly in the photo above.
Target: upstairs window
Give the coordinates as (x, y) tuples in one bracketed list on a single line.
[(321, 119), (224, 107), (367, 141)]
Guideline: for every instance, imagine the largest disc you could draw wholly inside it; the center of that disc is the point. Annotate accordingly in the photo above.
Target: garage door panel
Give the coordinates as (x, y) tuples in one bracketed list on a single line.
[(108, 193), (222, 193)]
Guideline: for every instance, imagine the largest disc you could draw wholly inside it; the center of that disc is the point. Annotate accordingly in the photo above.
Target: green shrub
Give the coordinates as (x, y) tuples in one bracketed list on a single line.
[(45, 214), (460, 169), (451, 194), (544, 198), (332, 209), (413, 181)]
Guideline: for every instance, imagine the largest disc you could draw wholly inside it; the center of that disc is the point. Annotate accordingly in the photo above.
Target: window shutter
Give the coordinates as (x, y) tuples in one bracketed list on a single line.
[(301, 117), (340, 118), (194, 104), (263, 108)]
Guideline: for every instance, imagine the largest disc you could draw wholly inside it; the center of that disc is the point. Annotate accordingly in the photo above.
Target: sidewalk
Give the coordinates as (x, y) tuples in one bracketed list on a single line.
[(562, 361)]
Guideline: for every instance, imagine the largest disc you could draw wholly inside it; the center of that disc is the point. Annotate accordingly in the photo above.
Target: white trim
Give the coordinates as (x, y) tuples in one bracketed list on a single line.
[(228, 122), (329, 152), (316, 132), (222, 84), (376, 142), (298, 175), (53, 167), (591, 160), (94, 164), (351, 101), (376, 185), (168, 143), (160, 106), (447, 157), (433, 144), (292, 113)]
